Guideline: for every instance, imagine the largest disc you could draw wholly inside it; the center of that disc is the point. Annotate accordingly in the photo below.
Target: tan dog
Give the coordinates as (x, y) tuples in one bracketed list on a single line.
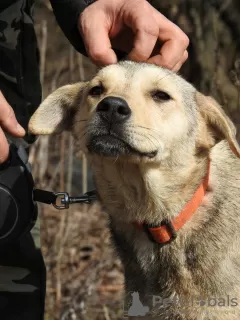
[(149, 136)]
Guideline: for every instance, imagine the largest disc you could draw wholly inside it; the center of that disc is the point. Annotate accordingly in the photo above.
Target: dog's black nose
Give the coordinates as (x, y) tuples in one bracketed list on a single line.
[(114, 109)]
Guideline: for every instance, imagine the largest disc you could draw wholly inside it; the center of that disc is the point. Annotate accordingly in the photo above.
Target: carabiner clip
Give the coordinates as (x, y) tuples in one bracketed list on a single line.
[(65, 200)]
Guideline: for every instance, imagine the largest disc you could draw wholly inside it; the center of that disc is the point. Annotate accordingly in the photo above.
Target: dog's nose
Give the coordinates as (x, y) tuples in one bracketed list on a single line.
[(114, 109)]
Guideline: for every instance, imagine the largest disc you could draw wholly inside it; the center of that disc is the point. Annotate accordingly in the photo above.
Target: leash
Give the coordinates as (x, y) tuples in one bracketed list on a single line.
[(52, 198), (163, 233)]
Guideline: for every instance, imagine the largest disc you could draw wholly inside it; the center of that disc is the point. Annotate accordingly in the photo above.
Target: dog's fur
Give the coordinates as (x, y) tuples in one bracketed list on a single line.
[(170, 142)]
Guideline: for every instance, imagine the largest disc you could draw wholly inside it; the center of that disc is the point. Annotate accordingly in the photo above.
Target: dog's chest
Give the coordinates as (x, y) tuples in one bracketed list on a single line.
[(155, 270)]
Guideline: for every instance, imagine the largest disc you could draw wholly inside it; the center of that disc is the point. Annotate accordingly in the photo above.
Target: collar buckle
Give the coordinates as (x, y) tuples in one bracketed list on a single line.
[(163, 233), (170, 228)]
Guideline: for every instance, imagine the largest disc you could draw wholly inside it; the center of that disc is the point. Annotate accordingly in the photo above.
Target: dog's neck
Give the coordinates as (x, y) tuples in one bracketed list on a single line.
[(146, 192)]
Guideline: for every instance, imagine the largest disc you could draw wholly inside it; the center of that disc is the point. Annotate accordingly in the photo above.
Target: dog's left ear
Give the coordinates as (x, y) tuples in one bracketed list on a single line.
[(55, 114), (218, 123)]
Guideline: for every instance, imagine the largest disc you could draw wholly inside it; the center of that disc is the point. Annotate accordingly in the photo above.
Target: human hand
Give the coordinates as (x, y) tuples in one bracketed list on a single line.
[(133, 27), (8, 123)]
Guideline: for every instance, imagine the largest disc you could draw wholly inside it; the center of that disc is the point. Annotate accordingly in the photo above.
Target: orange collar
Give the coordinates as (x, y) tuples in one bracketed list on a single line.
[(166, 231)]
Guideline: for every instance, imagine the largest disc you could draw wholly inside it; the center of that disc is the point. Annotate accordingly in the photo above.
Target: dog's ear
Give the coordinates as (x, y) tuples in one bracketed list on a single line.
[(218, 123), (56, 112)]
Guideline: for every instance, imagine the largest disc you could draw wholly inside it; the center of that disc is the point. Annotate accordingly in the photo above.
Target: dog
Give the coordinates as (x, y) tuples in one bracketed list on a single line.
[(166, 167)]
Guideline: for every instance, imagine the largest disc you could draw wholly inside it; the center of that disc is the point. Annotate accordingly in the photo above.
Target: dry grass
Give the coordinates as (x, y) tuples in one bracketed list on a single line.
[(91, 279)]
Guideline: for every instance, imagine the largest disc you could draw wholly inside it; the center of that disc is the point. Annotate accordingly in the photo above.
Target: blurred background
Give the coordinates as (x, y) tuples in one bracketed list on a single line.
[(85, 279)]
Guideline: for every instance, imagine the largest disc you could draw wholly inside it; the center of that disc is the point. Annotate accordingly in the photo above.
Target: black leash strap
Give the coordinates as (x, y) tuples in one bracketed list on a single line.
[(49, 197)]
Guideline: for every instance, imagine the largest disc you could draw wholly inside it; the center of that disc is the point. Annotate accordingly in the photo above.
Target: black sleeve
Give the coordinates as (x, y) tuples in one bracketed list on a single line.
[(67, 13)]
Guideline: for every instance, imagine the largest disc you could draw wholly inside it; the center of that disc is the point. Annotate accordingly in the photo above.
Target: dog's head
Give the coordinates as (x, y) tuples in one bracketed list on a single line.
[(135, 112)]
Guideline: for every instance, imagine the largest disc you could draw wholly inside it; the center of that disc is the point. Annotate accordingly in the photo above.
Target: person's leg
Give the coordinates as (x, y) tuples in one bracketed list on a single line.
[(23, 279), (22, 275)]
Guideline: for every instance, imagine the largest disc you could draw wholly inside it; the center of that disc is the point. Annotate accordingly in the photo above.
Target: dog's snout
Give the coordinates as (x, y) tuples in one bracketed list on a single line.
[(114, 109)]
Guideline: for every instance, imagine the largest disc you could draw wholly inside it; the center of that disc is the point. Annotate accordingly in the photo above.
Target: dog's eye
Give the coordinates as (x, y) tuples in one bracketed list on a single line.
[(96, 91), (160, 95)]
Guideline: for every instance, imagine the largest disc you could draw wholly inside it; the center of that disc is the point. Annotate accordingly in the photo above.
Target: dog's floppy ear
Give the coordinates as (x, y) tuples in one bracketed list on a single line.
[(218, 123), (56, 112)]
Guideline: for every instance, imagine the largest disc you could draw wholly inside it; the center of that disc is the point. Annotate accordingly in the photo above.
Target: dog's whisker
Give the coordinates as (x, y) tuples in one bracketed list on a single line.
[(142, 127), (151, 142), (138, 126), (145, 136)]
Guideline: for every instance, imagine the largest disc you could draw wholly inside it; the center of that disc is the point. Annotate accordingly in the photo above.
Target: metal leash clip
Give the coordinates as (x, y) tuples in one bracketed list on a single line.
[(49, 197), (66, 200)]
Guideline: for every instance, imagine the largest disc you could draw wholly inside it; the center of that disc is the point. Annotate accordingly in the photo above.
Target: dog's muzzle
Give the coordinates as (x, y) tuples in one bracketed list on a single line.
[(108, 130)]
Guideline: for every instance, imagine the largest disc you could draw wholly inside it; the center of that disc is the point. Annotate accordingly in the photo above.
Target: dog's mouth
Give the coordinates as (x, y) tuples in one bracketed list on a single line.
[(112, 146)]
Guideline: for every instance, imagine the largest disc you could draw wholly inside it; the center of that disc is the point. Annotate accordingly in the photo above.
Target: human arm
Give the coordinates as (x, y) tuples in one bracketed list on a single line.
[(133, 27)]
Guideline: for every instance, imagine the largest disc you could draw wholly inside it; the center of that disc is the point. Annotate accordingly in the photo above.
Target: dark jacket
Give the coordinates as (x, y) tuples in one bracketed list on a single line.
[(19, 57)]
